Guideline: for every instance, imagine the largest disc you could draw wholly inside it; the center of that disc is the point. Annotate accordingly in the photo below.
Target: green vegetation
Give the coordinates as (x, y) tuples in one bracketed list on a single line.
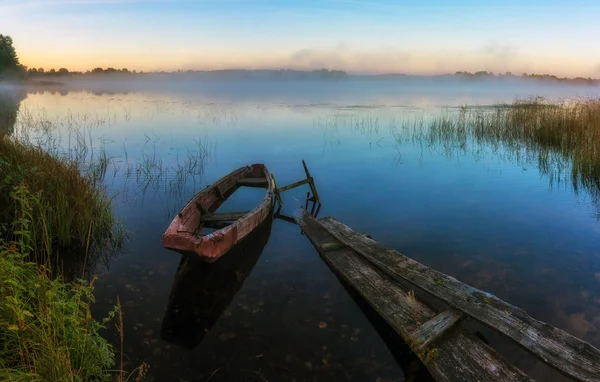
[(556, 135), (55, 222), (71, 212), (9, 108), (47, 332), (9, 62), (532, 76), (46, 329)]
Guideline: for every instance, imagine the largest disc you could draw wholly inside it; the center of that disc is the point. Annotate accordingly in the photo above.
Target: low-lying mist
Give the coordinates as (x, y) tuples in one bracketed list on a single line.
[(312, 89)]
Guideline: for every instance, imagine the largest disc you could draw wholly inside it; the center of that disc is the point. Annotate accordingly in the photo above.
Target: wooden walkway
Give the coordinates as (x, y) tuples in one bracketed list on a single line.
[(449, 352)]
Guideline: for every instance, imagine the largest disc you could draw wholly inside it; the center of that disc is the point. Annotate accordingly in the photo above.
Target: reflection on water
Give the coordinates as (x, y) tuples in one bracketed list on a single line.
[(10, 100), (202, 291), (480, 214)]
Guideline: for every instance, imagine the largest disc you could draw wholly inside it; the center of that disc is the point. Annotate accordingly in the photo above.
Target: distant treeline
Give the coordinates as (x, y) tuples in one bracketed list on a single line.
[(541, 77), (11, 68), (295, 74), (225, 73)]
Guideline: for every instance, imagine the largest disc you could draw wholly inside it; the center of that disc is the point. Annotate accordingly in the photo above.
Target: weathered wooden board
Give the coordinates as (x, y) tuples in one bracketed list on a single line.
[(460, 356), (253, 182), (569, 355), (224, 216), (293, 185), (311, 183), (435, 328)]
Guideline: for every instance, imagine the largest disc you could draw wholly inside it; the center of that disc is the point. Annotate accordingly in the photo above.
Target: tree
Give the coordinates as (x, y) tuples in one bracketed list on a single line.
[(8, 55)]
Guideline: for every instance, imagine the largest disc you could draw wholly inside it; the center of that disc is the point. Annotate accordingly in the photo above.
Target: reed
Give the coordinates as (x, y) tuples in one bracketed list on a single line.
[(67, 206), (55, 223), (47, 332), (561, 137)]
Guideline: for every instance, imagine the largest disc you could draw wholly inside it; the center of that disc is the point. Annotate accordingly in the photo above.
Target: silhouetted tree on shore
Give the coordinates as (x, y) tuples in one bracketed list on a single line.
[(9, 62)]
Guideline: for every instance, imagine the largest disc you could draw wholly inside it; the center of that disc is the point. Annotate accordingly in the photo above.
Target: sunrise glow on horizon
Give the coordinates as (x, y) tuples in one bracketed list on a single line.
[(429, 37)]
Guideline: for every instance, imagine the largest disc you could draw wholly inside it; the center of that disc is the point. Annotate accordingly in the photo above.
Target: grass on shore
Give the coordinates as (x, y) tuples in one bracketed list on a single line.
[(47, 332), (69, 211), (46, 329), (49, 209)]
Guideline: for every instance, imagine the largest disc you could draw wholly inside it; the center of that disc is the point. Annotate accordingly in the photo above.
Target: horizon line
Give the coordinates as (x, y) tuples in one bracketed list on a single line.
[(480, 73)]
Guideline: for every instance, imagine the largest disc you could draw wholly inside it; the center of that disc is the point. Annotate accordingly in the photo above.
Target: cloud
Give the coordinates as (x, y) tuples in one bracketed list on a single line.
[(301, 54), (343, 57), (501, 51), (497, 54)]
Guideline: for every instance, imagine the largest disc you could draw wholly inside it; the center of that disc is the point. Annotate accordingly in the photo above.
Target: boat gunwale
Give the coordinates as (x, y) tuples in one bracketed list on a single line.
[(188, 242)]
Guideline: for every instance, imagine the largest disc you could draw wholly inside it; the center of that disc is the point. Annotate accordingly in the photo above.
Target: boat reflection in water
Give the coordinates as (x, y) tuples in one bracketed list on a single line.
[(201, 291)]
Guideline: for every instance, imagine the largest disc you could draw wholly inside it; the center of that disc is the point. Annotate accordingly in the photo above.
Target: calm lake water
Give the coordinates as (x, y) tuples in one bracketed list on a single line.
[(476, 213)]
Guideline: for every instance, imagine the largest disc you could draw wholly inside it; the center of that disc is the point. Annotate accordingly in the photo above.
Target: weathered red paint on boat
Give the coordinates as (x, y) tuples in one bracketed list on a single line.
[(183, 235)]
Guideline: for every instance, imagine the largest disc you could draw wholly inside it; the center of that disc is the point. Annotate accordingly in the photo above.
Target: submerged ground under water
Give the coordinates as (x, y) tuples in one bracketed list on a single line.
[(475, 213)]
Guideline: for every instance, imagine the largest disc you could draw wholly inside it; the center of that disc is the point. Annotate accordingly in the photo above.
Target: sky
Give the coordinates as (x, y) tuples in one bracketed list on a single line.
[(358, 36)]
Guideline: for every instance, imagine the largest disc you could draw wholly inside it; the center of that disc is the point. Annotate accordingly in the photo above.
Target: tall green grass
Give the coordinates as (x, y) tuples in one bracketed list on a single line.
[(55, 222), (561, 137), (9, 108), (72, 214), (47, 332)]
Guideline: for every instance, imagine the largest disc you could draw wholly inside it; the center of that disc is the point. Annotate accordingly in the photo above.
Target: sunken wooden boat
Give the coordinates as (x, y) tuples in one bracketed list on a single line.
[(184, 234)]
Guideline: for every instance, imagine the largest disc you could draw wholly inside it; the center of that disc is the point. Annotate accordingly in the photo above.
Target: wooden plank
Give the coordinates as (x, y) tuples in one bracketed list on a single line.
[(460, 357), (216, 224), (311, 182), (555, 347), (224, 216), (253, 182), (293, 185), (285, 218), (276, 191), (219, 192), (332, 246), (201, 208), (435, 328)]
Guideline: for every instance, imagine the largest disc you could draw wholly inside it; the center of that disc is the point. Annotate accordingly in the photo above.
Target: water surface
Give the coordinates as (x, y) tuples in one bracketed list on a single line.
[(475, 213)]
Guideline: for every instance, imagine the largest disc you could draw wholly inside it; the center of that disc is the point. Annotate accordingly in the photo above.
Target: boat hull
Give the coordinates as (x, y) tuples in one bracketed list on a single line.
[(183, 234)]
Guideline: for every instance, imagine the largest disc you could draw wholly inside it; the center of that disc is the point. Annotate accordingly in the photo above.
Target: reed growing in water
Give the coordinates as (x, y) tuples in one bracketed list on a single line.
[(560, 136)]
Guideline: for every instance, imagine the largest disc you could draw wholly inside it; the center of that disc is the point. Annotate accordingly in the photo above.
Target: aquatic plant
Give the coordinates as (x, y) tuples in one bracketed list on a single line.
[(561, 137)]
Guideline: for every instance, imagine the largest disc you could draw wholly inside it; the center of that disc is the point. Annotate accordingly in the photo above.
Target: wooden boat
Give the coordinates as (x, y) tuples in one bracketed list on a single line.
[(201, 292), (184, 233)]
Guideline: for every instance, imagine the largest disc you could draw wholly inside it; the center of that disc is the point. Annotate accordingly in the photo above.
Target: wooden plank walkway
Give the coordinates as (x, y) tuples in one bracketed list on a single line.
[(460, 356), (377, 274)]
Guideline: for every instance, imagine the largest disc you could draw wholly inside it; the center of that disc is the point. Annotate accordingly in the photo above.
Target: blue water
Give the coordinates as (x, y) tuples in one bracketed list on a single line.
[(478, 215)]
